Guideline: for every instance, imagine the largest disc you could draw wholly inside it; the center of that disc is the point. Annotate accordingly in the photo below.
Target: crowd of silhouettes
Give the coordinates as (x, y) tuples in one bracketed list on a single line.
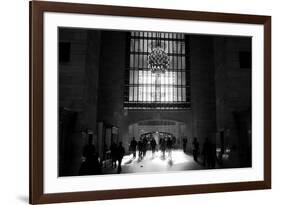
[(207, 156), (144, 143), (117, 153), (149, 142), (166, 145), (92, 165), (142, 147)]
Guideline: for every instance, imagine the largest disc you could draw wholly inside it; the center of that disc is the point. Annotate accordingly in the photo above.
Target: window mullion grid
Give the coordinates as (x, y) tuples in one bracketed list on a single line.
[(187, 69), (139, 87), (147, 44), (133, 70), (182, 85), (180, 67), (183, 71), (173, 66), (143, 67), (160, 76), (171, 69), (176, 66), (155, 80), (169, 83)]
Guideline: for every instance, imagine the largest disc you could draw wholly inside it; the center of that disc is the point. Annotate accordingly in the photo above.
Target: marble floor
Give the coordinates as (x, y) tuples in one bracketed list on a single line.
[(177, 161)]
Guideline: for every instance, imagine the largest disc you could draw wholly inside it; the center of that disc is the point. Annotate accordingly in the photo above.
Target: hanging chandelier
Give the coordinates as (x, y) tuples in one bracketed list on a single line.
[(158, 59)]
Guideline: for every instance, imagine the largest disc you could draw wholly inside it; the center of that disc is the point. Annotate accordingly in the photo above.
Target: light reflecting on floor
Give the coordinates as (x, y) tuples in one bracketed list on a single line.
[(177, 161)]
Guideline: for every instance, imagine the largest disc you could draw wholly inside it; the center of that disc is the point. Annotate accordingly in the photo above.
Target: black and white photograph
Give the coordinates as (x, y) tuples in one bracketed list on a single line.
[(140, 102), (151, 102)]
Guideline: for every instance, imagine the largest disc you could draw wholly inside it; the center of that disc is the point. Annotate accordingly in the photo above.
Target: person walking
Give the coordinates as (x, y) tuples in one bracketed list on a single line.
[(140, 149), (144, 146), (91, 165), (133, 147), (153, 146), (169, 147), (120, 155), (184, 143), (195, 144), (113, 153), (163, 147), (206, 153)]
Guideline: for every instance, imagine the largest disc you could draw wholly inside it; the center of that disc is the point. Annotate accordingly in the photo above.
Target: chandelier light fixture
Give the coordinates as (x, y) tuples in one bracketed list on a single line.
[(158, 59)]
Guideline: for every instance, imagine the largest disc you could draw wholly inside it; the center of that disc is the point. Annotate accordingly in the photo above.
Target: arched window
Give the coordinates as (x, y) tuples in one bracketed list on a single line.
[(147, 90)]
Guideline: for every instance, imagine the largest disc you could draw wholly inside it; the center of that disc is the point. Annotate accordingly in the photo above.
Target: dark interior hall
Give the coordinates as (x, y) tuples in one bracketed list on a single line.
[(106, 91)]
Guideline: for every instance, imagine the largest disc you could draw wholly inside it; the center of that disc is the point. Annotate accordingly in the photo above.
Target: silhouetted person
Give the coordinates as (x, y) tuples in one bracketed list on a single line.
[(133, 146), (213, 156), (105, 156), (195, 144), (91, 165), (163, 147), (120, 155), (206, 153), (140, 149), (153, 146), (144, 146), (174, 141), (88, 150), (113, 151), (169, 146), (184, 143)]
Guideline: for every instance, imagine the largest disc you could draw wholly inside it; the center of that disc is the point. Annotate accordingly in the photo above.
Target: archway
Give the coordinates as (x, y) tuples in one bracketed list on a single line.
[(159, 128)]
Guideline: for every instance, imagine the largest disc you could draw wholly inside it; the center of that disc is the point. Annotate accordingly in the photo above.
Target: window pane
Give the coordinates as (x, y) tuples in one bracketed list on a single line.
[(135, 93), (136, 77), (145, 42), (145, 61), (184, 94), (140, 94), (175, 94), (136, 61), (179, 94), (182, 47), (140, 49), (179, 78), (140, 61), (136, 46), (183, 79), (132, 61), (175, 64), (131, 77), (183, 63), (131, 94)]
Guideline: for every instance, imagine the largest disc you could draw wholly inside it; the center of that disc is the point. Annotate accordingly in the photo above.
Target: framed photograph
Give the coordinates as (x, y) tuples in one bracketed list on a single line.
[(135, 102)]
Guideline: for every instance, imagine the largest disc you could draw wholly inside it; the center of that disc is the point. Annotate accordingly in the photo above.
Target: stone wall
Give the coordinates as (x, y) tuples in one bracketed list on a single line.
[(202, 87), (77, 94), (233, 95)]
